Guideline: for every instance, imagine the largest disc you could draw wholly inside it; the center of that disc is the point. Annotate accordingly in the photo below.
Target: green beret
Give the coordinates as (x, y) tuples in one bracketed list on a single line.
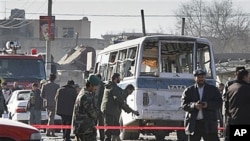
[(94, 80)]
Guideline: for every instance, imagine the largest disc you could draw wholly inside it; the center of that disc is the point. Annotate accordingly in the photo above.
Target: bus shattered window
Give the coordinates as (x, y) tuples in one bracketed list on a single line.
[(204, 59), (176, 57), (149, 63), (126, 62), (129, 63)]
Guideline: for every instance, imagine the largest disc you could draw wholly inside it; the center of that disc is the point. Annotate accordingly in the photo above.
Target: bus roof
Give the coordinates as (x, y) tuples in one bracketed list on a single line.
[(120, 45)]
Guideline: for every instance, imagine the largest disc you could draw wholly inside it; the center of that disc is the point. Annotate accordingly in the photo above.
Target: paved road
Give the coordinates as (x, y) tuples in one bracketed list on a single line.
[(142, 138), (172, 137)]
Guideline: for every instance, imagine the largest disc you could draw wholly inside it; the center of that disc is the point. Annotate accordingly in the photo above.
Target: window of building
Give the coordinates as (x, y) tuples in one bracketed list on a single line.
[(68, 32)]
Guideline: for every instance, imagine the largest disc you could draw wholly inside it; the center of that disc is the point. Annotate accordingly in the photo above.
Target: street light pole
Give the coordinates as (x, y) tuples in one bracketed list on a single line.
[(48, 43)]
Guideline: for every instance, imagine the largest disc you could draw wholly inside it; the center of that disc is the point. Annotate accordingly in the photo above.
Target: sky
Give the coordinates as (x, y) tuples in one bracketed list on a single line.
[(110, 16)]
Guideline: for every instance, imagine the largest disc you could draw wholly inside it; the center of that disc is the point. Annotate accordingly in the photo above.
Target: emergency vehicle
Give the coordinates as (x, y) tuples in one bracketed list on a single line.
[(24, 68)]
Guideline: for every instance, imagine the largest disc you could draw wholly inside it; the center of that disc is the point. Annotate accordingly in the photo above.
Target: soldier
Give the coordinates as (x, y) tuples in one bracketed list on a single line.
[(85, 112), (98, 96), (112, 103)]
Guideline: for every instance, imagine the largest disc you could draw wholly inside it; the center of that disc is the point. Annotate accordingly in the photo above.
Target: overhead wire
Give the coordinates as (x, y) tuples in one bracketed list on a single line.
[(24, 22), (23, 14), (131, 15)]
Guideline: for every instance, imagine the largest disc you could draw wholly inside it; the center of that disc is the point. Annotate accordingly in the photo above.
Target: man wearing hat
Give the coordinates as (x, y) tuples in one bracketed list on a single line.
[(65, 100), (200, 102), (85, 111)]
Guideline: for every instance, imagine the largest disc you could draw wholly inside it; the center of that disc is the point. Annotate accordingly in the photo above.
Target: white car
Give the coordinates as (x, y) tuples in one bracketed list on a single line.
[(17, 107)]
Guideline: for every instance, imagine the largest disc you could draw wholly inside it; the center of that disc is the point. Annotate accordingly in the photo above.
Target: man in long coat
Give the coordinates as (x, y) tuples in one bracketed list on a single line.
[(201, 102)]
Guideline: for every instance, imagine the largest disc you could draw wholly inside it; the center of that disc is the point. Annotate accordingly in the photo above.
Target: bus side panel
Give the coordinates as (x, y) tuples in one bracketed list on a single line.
[(157, 99)]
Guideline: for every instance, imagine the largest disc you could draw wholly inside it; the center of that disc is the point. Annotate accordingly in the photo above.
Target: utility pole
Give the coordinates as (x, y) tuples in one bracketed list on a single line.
[(5, 9), (143, 23), (183, 26), (200, 19), (48, 43)]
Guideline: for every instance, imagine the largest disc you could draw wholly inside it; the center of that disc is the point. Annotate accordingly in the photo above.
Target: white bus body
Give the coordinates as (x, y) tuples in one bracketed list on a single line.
[(160, 68)]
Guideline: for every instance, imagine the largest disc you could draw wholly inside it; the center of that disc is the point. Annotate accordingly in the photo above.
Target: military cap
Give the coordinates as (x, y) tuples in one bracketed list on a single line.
[(94, 80), (199, 72)]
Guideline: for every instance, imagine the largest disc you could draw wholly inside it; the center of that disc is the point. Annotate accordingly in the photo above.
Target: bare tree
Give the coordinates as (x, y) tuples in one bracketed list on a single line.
[(216, 20)]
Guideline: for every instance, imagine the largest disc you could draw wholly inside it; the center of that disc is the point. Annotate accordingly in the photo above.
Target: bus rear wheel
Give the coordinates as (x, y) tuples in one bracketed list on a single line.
[(128, 134)]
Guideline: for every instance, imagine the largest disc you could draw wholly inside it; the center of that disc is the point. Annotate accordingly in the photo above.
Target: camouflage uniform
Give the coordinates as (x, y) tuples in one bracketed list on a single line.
[(85, 116)]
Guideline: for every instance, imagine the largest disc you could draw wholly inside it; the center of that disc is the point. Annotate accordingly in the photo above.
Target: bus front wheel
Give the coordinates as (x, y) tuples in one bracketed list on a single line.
[(160, 135)]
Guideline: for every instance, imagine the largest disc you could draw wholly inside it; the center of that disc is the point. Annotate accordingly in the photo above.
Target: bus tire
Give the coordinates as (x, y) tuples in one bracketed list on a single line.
[(128, 135), (160, 135)]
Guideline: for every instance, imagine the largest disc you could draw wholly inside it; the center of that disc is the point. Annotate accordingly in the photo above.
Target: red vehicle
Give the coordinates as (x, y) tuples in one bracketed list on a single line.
[(22, 68), (16, 131)]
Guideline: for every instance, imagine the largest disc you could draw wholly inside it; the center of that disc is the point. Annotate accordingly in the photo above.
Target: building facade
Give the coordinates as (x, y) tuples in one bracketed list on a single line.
[(68, 34)]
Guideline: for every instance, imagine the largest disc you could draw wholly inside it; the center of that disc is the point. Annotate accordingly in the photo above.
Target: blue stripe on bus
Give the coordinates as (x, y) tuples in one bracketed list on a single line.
[(163, 83)]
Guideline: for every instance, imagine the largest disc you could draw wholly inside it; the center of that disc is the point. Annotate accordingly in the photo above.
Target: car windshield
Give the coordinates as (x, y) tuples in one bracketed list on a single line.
[(20, 69)]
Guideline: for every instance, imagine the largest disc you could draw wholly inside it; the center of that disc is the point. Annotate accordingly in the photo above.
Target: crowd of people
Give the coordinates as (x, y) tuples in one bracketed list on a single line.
[(5, 93), (101, 104), (83, 108)]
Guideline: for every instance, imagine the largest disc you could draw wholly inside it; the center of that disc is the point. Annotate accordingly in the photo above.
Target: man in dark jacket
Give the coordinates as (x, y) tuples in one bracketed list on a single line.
[(48, 93), (225, 107), (201, 102), (65, 99), (112, 104), (35, 105), (238, 98)]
